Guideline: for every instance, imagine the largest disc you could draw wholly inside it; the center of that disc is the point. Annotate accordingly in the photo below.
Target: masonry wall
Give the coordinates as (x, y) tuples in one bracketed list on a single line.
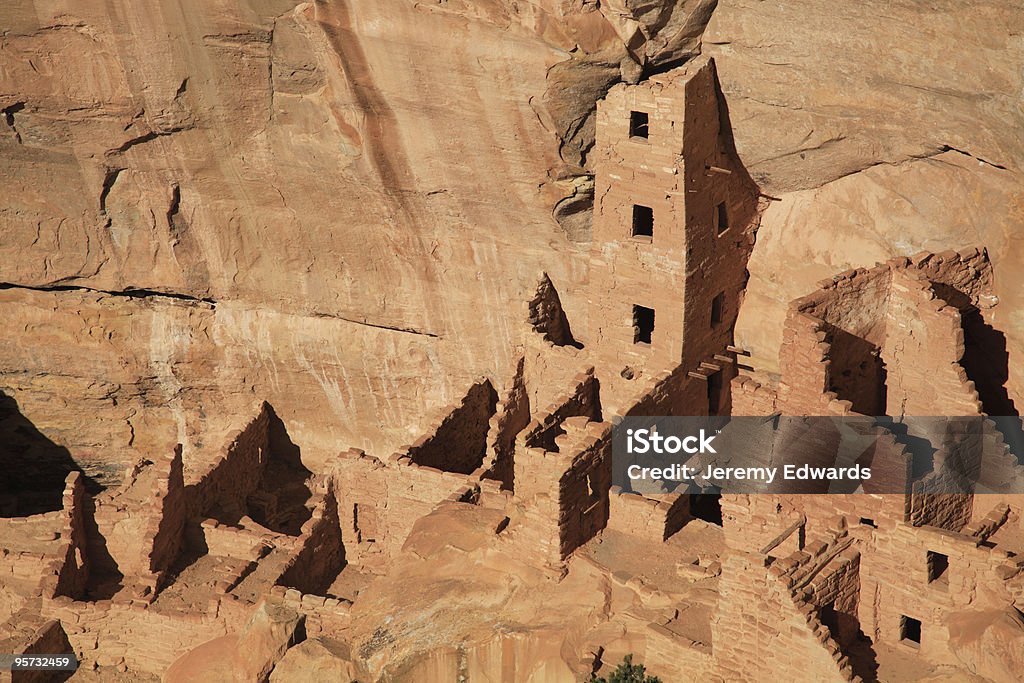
[(652, 519), (459, 442), (764, 630), (133, 634), (687, 173), (166, 532), (321, 554), (626, 270), (222, 488), (378, 503), (922, 351), (895, 584), (73, 573), (716, 258), (510, 418), (143, 522), (35, 636)]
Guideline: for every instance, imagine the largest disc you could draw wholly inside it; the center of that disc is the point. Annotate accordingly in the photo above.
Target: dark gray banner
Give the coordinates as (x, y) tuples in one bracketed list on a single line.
[(779, 454)]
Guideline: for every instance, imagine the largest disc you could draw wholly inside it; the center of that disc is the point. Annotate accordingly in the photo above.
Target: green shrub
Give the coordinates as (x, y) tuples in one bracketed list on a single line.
[(627, 672)]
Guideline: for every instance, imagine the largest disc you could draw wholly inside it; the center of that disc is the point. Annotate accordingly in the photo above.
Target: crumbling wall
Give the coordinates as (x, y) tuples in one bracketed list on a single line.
[(321, 554), (751, 398), (884, 339), (562, 493), (222, 488), (922, 352), (379, 503), (511, 417), (790, 642), (546, 316), (73, 573), (583, 400), (131, 633), (34, 635), (143, 521), (458, 442), (652, 519)]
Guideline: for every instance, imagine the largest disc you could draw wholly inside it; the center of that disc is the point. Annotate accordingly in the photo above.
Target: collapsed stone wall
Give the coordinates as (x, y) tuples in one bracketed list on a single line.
[(73, 573), (582, 400), (652, 519), (511, 417), (458, 443), (884, 340), (222, 488), (378, 502), (789, 643), (321, 554), (132, 634)]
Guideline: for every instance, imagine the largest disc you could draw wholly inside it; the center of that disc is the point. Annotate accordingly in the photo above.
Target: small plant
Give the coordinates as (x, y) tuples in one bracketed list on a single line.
[(627, 672)]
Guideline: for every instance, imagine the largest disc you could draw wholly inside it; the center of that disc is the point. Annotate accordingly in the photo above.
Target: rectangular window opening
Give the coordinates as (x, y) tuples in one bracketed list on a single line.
[(643, 221), (910, 630), (721, 218), (937, 566), (717, 304), (643, 324), (867, 521), (638, 124)]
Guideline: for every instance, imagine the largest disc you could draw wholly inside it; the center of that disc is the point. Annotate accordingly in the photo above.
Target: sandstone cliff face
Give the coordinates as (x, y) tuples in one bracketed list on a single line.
[(348, 203)]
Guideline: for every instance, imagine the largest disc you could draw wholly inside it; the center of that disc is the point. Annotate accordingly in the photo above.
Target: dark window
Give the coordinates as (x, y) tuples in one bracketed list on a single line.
[(867, 521), (643, 221), (937, 566), (910, 630), (643, 324), (716, 309), (638, 124), (721, 218)]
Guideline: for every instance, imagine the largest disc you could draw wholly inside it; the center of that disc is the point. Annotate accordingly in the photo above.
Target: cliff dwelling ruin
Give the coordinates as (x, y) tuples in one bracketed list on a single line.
[(343, 487)]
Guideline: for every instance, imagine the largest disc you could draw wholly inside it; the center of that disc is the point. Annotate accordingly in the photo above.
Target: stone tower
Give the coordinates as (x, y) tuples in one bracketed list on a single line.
[(674, 213)]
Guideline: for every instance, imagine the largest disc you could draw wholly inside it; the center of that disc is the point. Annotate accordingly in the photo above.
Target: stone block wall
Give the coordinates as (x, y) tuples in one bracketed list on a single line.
[(898, 323), (458, 441), (510, 418), (922, 353), (73, 573), (765, 629), (34, 636), (321, 548), (222, 487), (652, 519), (378, 503), (720, 207), (582, 400)]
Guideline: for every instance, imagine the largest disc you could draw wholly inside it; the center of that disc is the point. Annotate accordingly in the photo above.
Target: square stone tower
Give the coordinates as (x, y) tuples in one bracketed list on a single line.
[(674, 213)]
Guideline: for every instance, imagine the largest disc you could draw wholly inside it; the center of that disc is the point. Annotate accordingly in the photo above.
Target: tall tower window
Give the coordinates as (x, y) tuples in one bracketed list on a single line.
[(638, 124), (643, 324), (721, 218), (643, 221), (717, 304)]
